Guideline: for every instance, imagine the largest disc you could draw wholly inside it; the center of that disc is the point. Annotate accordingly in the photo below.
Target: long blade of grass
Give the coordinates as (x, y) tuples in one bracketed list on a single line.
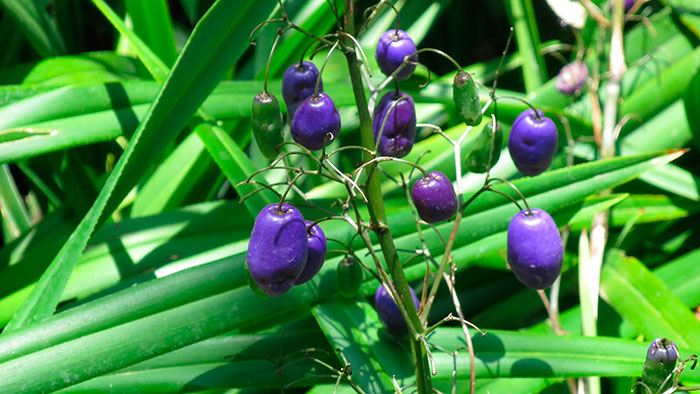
[(522, 16), (234, 163), (14, 213), (152, 23), (519, 354), (153, 63)]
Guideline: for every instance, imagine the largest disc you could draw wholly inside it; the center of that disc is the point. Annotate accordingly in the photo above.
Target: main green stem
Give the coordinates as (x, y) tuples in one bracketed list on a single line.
[(378, 215)]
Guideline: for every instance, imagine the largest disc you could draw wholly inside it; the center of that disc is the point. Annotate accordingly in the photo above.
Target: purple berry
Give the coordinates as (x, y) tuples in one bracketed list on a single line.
[(315, 117), (572, 77), (662, 356), (298, 84), (389, 312), (277, 249), (532, 142), (629, 4), (317, 253), (662, 351), (434, 197), (393, 46), (399, 130), (535, 251)]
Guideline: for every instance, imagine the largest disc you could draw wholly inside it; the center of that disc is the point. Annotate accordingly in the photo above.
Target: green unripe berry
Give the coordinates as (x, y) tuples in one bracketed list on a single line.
[(266, 119), (349, 276), (480, 158), (466, 97)]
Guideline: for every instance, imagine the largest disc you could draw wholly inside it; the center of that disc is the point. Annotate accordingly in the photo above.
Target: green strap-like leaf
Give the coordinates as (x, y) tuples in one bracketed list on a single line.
[(151, 20), (352, 327), (644, 299), (153, 63), (234, 163), (15, 218), (522, 16)]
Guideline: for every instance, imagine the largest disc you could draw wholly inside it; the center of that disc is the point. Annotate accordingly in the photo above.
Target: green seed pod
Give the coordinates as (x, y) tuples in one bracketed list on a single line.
[(266, 118), (466, 97), (477, 159), (349, 275), (660, 362)]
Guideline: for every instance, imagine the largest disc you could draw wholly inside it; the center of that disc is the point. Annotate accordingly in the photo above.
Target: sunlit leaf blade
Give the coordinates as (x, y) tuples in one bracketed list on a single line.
[(641, 297), (152, 23), (193, 378), (117, 347), (234, 163), (187, 237), (658, 93), (522, 16), (154, 64), (174, 179), (352, 329), (15, 217), (519, 354), (64, 118), (223, 361), (136, 302)]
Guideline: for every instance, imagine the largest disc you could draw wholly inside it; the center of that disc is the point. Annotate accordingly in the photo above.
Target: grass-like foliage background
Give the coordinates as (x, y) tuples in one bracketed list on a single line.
[(126, 144)]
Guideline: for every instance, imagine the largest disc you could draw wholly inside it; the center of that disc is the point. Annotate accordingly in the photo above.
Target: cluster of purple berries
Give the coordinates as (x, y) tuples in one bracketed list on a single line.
[(394, 123), (284, 249)]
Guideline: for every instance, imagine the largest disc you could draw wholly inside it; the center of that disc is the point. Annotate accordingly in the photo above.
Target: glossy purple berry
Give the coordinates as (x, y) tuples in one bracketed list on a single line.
[(389, 312), (535, 251), (277, 249), (532, 142), (315, 117), (393, 46), (434, 197), (298, 84), (572, 77), (317, 253), (397, 131)]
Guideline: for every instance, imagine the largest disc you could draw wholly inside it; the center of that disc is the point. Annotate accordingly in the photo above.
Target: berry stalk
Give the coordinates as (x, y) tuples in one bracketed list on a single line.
[(378, 215)]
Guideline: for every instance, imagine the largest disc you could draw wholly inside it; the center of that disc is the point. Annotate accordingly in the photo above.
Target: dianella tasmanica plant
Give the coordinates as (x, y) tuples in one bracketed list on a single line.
[(349, 196), (286, 250)]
